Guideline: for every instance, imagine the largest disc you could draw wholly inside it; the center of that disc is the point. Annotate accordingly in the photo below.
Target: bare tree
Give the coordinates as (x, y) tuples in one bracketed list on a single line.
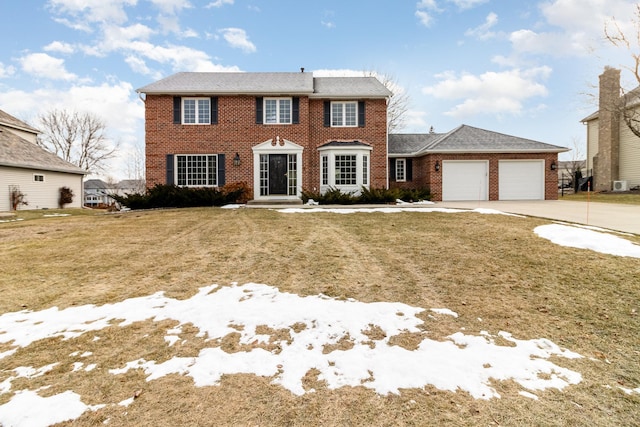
[(573, 168), (136, 168), (398, 104), (79, 138), (630, 99)]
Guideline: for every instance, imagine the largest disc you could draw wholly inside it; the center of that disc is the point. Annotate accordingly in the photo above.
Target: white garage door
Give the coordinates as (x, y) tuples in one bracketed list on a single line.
[(465, 180), (521, 179)]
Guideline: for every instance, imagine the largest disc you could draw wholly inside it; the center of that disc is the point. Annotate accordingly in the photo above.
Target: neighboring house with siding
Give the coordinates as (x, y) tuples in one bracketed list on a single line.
[(284, 132), (32, 170), (97, 193), (613, 151)]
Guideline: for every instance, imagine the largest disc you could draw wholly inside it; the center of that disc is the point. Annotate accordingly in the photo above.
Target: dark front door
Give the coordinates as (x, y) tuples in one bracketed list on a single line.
[(277, 174)]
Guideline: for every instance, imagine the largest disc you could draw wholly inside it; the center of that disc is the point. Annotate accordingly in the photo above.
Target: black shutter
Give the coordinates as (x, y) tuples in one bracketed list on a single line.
[(295, 110), (221, 170), (259, 113), (169, 169), (361, 114), (409, 172), (214, 110), (177, 110), (392, 169), (327, 113)]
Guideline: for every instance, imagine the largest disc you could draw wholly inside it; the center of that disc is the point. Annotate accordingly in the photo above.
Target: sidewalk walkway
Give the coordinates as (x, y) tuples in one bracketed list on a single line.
[(612, 216)]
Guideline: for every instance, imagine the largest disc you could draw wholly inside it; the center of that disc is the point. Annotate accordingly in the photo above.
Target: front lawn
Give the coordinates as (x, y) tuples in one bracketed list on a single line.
[(489, 278)]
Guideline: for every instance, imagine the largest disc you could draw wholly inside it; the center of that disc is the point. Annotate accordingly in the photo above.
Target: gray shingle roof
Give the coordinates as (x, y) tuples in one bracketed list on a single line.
[(267, 84), (10, 121), (20, 153), (349, 87), (467, 139)]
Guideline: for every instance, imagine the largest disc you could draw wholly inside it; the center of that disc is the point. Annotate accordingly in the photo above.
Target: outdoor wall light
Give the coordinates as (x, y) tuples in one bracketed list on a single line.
[(236, 160), (553, 165), (437, 165)]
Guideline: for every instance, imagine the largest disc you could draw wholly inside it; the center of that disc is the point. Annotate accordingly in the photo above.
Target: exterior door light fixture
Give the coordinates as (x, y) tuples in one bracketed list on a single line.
[(437, 165), (236, 160), (553, 165)]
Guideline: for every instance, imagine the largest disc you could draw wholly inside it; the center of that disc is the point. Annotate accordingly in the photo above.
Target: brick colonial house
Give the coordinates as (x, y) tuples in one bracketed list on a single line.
[(278, 132), (284, 132)]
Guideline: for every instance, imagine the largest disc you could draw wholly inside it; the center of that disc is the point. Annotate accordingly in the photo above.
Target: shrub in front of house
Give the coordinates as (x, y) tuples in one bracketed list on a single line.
[(334, 196), (172, 196)]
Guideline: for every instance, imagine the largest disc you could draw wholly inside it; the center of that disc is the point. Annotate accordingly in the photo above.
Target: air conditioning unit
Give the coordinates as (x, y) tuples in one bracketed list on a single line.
[(620, 186)]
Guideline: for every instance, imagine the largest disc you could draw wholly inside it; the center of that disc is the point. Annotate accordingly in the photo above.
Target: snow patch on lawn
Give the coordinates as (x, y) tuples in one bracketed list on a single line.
[(584, 238), (459, 362)]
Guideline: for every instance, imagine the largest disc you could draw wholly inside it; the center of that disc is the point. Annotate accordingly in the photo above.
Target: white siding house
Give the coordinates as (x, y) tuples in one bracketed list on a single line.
[(32, 170)]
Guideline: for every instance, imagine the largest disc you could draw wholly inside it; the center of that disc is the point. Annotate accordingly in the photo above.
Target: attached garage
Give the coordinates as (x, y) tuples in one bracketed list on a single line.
[(465, 180), (472, 164), (521, 179)]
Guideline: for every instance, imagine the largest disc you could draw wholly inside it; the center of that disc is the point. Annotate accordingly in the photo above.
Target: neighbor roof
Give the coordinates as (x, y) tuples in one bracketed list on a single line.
[(466, 139), (187, 83), (10, 121), (20, 153)]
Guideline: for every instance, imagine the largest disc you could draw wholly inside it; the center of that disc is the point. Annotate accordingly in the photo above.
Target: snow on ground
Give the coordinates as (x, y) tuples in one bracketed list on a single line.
[(584, 238), (460, 362)]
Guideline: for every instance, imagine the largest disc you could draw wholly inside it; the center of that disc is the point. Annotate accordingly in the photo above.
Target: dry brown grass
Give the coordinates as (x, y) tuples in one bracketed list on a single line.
[(491, 269)]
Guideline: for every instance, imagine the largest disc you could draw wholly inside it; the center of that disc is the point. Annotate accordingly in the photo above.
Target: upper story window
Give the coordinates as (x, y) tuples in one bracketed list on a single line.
[(277, 110), (196, 110), (344, 114)]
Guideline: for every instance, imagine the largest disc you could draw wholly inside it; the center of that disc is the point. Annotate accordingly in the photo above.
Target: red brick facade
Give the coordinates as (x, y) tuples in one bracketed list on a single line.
[(236, 131), (425, 174)]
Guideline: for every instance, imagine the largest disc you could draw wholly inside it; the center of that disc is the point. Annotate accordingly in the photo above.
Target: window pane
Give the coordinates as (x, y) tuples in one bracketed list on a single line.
[(365, 170), (336, 114), (285, 111), (400, 169), (346, 170), (197, 170), (350, 114), (189, 111), (270, 111), (204, 115), (325, 170)]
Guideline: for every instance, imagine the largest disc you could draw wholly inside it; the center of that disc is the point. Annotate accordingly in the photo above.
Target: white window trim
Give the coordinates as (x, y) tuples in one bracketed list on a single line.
[(35, 175), (404, 170), (359, 152), (278, 119), (175, 169), (344, 114), (196, 99)]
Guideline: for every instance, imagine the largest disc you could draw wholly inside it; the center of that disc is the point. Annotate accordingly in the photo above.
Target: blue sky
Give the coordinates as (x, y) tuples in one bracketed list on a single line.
[(516, 67)]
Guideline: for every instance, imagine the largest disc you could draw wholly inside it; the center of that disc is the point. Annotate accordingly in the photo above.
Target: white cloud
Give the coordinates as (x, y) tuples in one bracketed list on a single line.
[(46, 66), (237, 38), (588, 16), (171, 6), (219, 3), (424, 18), (467, 4), (6, 70), (60, 47), (490, 93), (428, 4), (483, 31), (91, 11)]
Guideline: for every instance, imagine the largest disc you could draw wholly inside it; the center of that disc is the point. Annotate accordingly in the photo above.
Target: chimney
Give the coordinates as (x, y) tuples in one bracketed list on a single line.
[(606, 161)]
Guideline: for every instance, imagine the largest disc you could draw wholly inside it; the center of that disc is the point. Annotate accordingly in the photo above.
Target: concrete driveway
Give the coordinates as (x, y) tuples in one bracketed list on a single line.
[(617, 217)]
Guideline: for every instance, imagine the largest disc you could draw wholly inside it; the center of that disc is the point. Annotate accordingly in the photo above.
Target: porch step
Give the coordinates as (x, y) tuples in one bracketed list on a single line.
[(275, 202)]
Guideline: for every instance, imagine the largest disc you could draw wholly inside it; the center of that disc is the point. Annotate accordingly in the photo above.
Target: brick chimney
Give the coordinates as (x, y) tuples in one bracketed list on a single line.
[(606, 163)]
